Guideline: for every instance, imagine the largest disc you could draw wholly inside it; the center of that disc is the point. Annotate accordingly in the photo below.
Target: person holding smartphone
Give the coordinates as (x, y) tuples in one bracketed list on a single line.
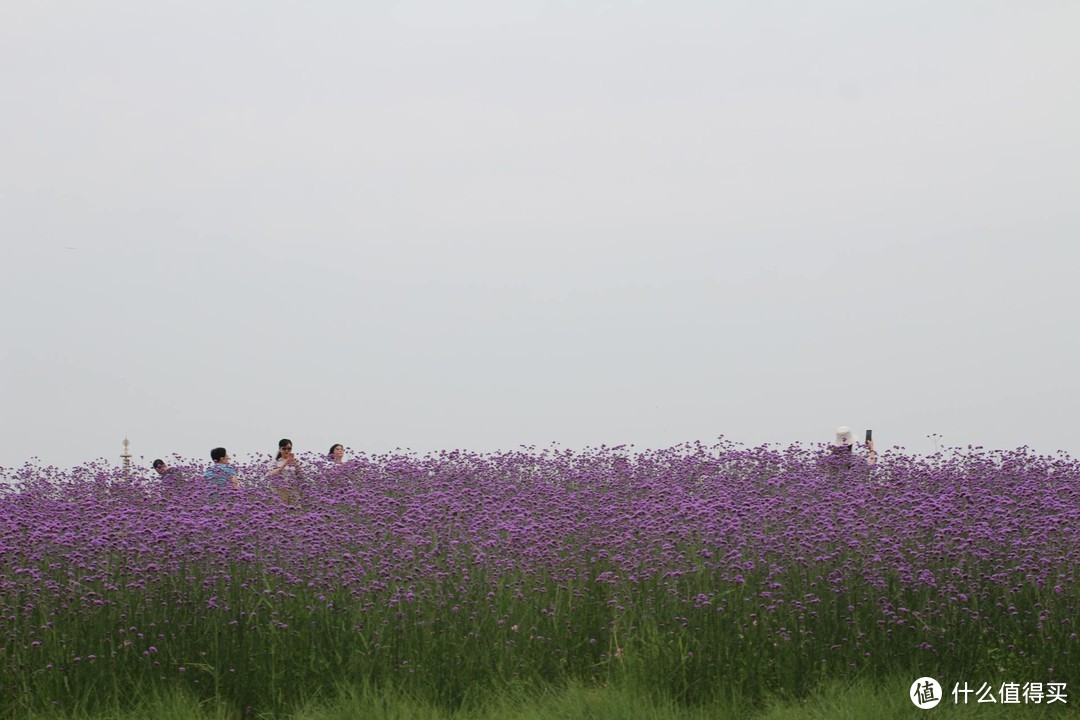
[(843, 446), (284, 473)]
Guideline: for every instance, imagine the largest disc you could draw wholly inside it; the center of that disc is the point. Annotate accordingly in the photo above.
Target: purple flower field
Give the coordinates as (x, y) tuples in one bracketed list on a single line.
[(697, 570)]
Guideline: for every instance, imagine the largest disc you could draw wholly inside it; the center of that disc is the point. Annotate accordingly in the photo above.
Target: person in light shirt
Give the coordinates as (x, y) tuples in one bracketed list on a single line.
[(285, 473)]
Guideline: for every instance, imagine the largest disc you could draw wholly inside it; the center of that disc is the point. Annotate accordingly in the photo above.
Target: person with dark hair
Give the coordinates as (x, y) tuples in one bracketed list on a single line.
[(221, 474), (285, 472), (285, 463), (337, 453), (167, 474)]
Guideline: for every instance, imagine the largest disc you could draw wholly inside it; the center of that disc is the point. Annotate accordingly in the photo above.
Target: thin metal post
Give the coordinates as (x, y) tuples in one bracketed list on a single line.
[(126, 457)]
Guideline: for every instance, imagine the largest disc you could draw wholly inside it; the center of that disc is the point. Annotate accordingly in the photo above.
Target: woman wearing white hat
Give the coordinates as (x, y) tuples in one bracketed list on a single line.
[(844, 444)]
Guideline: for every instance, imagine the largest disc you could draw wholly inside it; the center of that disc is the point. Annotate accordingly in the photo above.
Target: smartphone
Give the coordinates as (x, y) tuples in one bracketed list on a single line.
[(869, 435)]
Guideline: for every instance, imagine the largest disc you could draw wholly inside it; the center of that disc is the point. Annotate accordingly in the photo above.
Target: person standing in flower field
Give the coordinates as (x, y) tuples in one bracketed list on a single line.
[(844, 445), (337, 453), (221, 474), (162, 469), (284, 473), (169, 475), (842, 454)]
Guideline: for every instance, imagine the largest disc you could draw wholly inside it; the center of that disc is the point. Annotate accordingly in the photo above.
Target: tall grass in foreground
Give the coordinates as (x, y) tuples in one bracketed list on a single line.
[(851, 701), (699, 577)]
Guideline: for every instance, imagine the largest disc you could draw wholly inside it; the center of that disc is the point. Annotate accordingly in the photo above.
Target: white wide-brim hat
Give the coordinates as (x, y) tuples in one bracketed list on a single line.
[(844, 436)]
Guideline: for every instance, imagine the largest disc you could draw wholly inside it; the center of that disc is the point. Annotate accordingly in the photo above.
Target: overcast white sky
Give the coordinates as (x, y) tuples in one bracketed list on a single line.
[(486, 224)]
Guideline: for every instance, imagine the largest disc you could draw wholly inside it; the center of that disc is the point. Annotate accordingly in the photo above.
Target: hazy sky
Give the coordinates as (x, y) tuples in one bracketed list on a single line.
[(481, 225)]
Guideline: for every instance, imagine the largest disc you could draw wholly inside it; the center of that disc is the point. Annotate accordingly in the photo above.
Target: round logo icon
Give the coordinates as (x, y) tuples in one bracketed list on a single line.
[(925, 693)]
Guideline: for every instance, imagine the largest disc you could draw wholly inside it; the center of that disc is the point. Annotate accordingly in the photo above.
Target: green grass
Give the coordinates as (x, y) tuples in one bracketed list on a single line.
[(850, 701), (476, 638)]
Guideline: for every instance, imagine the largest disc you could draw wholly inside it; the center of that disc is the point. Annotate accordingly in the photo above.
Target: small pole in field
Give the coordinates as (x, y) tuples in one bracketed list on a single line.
[(126, 457)]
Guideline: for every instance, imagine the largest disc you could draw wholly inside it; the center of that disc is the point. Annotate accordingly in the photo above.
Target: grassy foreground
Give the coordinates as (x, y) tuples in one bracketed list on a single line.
[(696, 582), (851, 701)]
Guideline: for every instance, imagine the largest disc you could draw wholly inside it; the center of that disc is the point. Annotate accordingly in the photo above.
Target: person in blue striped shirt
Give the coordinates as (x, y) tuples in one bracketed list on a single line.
[(221, 474)]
